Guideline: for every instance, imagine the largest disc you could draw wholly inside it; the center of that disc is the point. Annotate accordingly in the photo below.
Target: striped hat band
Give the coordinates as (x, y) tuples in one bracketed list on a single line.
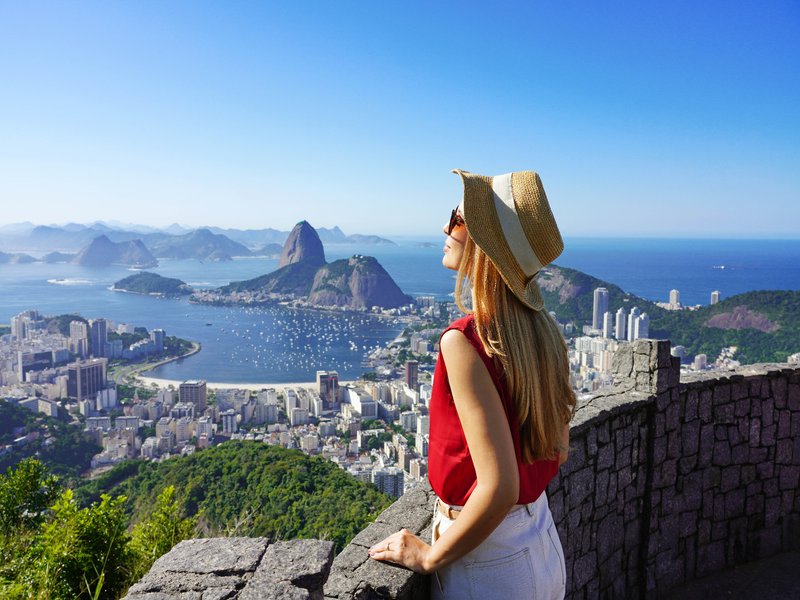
[(509, 218)]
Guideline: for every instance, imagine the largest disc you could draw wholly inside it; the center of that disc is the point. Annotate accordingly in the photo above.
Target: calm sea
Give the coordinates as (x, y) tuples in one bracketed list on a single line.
[(279, 345)]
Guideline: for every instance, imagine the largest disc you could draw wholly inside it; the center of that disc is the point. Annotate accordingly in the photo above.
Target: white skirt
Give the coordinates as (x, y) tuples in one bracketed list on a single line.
[(522, 558)]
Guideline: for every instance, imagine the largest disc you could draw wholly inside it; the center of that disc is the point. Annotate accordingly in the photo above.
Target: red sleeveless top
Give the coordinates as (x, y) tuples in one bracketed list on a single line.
[(450, 468)]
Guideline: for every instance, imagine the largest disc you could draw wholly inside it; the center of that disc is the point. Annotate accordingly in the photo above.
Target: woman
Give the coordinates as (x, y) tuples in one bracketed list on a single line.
[(500, 405)]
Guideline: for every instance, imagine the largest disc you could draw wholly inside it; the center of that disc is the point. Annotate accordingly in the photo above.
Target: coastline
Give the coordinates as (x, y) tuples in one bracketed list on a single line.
[(214, 385)]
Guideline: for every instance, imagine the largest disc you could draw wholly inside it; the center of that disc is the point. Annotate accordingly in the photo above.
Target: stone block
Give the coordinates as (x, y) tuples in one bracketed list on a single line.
[(673, 444), (724, 413), (213, 555), (722, 393), (740, 454), (291, 569), (722, 454), (734, 503), (605, 457), (730, 478), (673, 416), (581, 485), (704, 406), (789, 477), (764, 470), (703, 533), (710, 558), (783, 455), (768, 412), (784, 425), (173, 584), (778, 387), (622, 362), (755, 386), (644, 382), (739, 390), (794, 397), (373, 534), (768, 435), (754, 505), (687, 464), (758, 455), (690, 409), (748, 474), (601, 488), (771, 488), (742, 407), (584, 570), (755, 432), (414, 512)]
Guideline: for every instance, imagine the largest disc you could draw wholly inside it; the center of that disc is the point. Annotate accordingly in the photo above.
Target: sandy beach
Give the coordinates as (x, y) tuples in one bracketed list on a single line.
[(211, 385)]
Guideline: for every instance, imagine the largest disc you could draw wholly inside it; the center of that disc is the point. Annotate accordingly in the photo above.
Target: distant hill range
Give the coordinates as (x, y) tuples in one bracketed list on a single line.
[(763, 325), (153, 284), (174, 241), (357, 283), (102, 252)]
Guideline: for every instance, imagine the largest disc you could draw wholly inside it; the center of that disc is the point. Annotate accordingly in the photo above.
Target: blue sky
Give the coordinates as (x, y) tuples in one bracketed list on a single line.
[(643, 119)]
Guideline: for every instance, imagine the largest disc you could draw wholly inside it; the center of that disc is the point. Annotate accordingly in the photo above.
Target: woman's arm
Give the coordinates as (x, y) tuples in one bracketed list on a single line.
[(485, 426), (563, 454)]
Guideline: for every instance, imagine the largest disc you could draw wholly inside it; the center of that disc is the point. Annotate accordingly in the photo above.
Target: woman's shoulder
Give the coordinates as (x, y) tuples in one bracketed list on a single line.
[(464, 324)]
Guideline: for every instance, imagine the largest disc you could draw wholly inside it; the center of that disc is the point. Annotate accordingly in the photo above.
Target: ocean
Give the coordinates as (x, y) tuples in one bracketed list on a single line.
[(281, 345)]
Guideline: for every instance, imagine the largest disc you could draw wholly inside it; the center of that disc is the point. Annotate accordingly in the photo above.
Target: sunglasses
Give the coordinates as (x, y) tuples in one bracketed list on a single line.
[(455, 220)]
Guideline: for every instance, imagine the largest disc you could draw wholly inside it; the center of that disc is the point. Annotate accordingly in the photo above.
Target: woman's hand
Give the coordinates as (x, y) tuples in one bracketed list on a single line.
[(403, 548)]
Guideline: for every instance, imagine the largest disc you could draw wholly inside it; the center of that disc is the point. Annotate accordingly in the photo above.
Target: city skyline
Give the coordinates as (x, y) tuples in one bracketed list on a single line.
[(668, 121)]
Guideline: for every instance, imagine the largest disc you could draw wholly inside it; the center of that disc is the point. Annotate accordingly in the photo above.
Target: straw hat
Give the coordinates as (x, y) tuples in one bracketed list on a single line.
[(509, 218)]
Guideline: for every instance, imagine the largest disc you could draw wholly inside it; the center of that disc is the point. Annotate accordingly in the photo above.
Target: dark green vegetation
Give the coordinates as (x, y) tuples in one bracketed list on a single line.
[(764, 325), (152, 283), (61, 323), (63, 447), (52, 548), (295, 278), (5, 329), (250, 488)]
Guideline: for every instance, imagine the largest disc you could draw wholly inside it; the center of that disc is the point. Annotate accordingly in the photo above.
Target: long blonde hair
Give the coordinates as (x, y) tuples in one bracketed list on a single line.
[(530, 348)]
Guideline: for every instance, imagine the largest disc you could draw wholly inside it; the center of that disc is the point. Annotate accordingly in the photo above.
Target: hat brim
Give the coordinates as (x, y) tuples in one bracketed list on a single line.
[(485, 229)]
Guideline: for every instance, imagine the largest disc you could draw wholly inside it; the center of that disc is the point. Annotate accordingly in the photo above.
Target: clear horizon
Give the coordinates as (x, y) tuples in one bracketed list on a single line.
[(671, 121)]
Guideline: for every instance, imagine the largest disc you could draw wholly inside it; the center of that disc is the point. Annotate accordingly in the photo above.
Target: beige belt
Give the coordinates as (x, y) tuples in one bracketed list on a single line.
[(451, 513)]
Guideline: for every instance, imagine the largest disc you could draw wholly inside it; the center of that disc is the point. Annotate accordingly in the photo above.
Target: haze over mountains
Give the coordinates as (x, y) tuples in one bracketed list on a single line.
[(102, 243)]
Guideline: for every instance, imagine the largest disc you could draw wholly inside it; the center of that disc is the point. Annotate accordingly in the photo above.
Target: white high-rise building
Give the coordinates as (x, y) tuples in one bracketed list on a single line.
[(714, 296), (600, 307), (642, 327), (619, 330), (608, 324), (674, 299), (632, 316), (229, 424)]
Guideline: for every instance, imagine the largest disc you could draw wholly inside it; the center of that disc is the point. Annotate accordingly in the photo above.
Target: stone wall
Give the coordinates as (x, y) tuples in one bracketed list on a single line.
[(666, 481)]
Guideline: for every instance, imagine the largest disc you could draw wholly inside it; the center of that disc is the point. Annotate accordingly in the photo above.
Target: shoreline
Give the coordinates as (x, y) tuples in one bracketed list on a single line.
[(215, 385)]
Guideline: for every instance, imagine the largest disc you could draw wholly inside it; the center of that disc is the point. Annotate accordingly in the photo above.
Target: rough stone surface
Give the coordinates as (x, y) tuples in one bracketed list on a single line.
[(213, 555), (669, 479)]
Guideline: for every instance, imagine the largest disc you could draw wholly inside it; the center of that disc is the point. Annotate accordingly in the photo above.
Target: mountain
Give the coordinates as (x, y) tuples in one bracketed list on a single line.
[(303, 244), (253, 238), (255, 488), (57, 257), (152, 283), (357, 283), (200, 244), (269, 250), (764, 325), (337, 236), (16, 259), (102, 252)]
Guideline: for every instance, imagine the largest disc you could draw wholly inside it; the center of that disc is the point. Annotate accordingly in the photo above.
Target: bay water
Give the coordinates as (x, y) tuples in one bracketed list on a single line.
[(253, 345)]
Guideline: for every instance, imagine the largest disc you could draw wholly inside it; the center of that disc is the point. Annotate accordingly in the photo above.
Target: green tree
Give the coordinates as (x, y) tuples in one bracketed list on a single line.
[(83, 552), (156, 536), (25, 494)]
